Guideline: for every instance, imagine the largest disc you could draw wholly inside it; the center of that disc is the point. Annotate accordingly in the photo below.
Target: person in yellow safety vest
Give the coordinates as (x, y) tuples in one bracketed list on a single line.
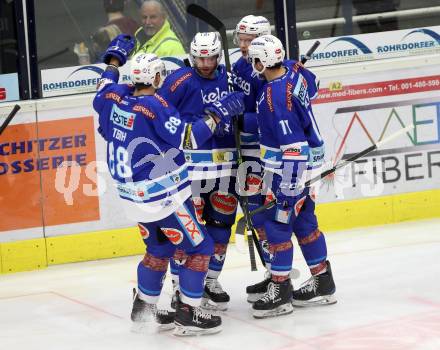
[(155, 35)]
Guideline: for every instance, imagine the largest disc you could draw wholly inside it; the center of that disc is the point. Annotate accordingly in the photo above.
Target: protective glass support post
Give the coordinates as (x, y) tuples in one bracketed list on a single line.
[(347, 13), (285, 23), (22, 60), (32, 47)]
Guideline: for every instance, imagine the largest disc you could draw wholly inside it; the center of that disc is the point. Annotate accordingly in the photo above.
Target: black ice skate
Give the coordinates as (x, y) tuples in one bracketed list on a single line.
[(275, 302), (256, 291), (317, 290), (214, 297), (143, 312), (192, 320)]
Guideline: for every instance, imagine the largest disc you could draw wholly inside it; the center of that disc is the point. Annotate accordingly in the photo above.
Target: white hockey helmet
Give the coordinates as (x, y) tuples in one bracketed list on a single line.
[(144, 68), (268, 49), (206, 44), (253, 25)]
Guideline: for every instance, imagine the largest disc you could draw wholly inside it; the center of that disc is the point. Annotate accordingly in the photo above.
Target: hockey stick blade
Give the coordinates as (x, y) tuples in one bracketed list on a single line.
[(241, 224), (186, 62), (9, 118), (309, 53)]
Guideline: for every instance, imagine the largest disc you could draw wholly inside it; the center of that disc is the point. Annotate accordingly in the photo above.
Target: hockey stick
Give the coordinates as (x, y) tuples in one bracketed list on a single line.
[(186, 62), (241, 223), (309, 53), (9, 118), (206, 16)]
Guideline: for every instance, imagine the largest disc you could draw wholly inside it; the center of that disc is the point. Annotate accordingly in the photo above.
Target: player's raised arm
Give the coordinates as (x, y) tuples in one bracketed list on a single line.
[(115, 56)]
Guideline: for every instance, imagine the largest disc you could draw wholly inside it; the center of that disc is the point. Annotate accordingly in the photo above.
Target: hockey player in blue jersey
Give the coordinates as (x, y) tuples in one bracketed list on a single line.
[(251, 83), (213, 165), (289, 139), (145, 135), (244, 78)]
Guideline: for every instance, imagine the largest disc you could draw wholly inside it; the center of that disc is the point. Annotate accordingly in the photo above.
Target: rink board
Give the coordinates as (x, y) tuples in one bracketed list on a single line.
[(51, 216)]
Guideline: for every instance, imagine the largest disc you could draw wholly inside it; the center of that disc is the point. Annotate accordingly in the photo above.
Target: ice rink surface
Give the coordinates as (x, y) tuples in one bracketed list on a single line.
[(388, 291)]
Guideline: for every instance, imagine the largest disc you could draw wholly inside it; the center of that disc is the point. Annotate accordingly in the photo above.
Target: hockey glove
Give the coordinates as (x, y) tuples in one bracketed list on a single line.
[(120, 48), (228, 106)]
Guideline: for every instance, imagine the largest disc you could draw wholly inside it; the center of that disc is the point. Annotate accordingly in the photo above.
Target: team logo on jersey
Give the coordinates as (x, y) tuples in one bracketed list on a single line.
[(193, 231), (199, 204), (122, 118), (292, 152), (175, 236), (223, 203), (213, 96), (253, 184), (144, 231), (316, 155), (242, 84), (301, 91)]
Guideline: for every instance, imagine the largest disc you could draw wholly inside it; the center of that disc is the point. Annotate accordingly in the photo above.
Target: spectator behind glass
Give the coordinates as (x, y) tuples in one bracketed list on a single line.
[(116, 24), (114, 10), (364, 7), (155, 35)]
